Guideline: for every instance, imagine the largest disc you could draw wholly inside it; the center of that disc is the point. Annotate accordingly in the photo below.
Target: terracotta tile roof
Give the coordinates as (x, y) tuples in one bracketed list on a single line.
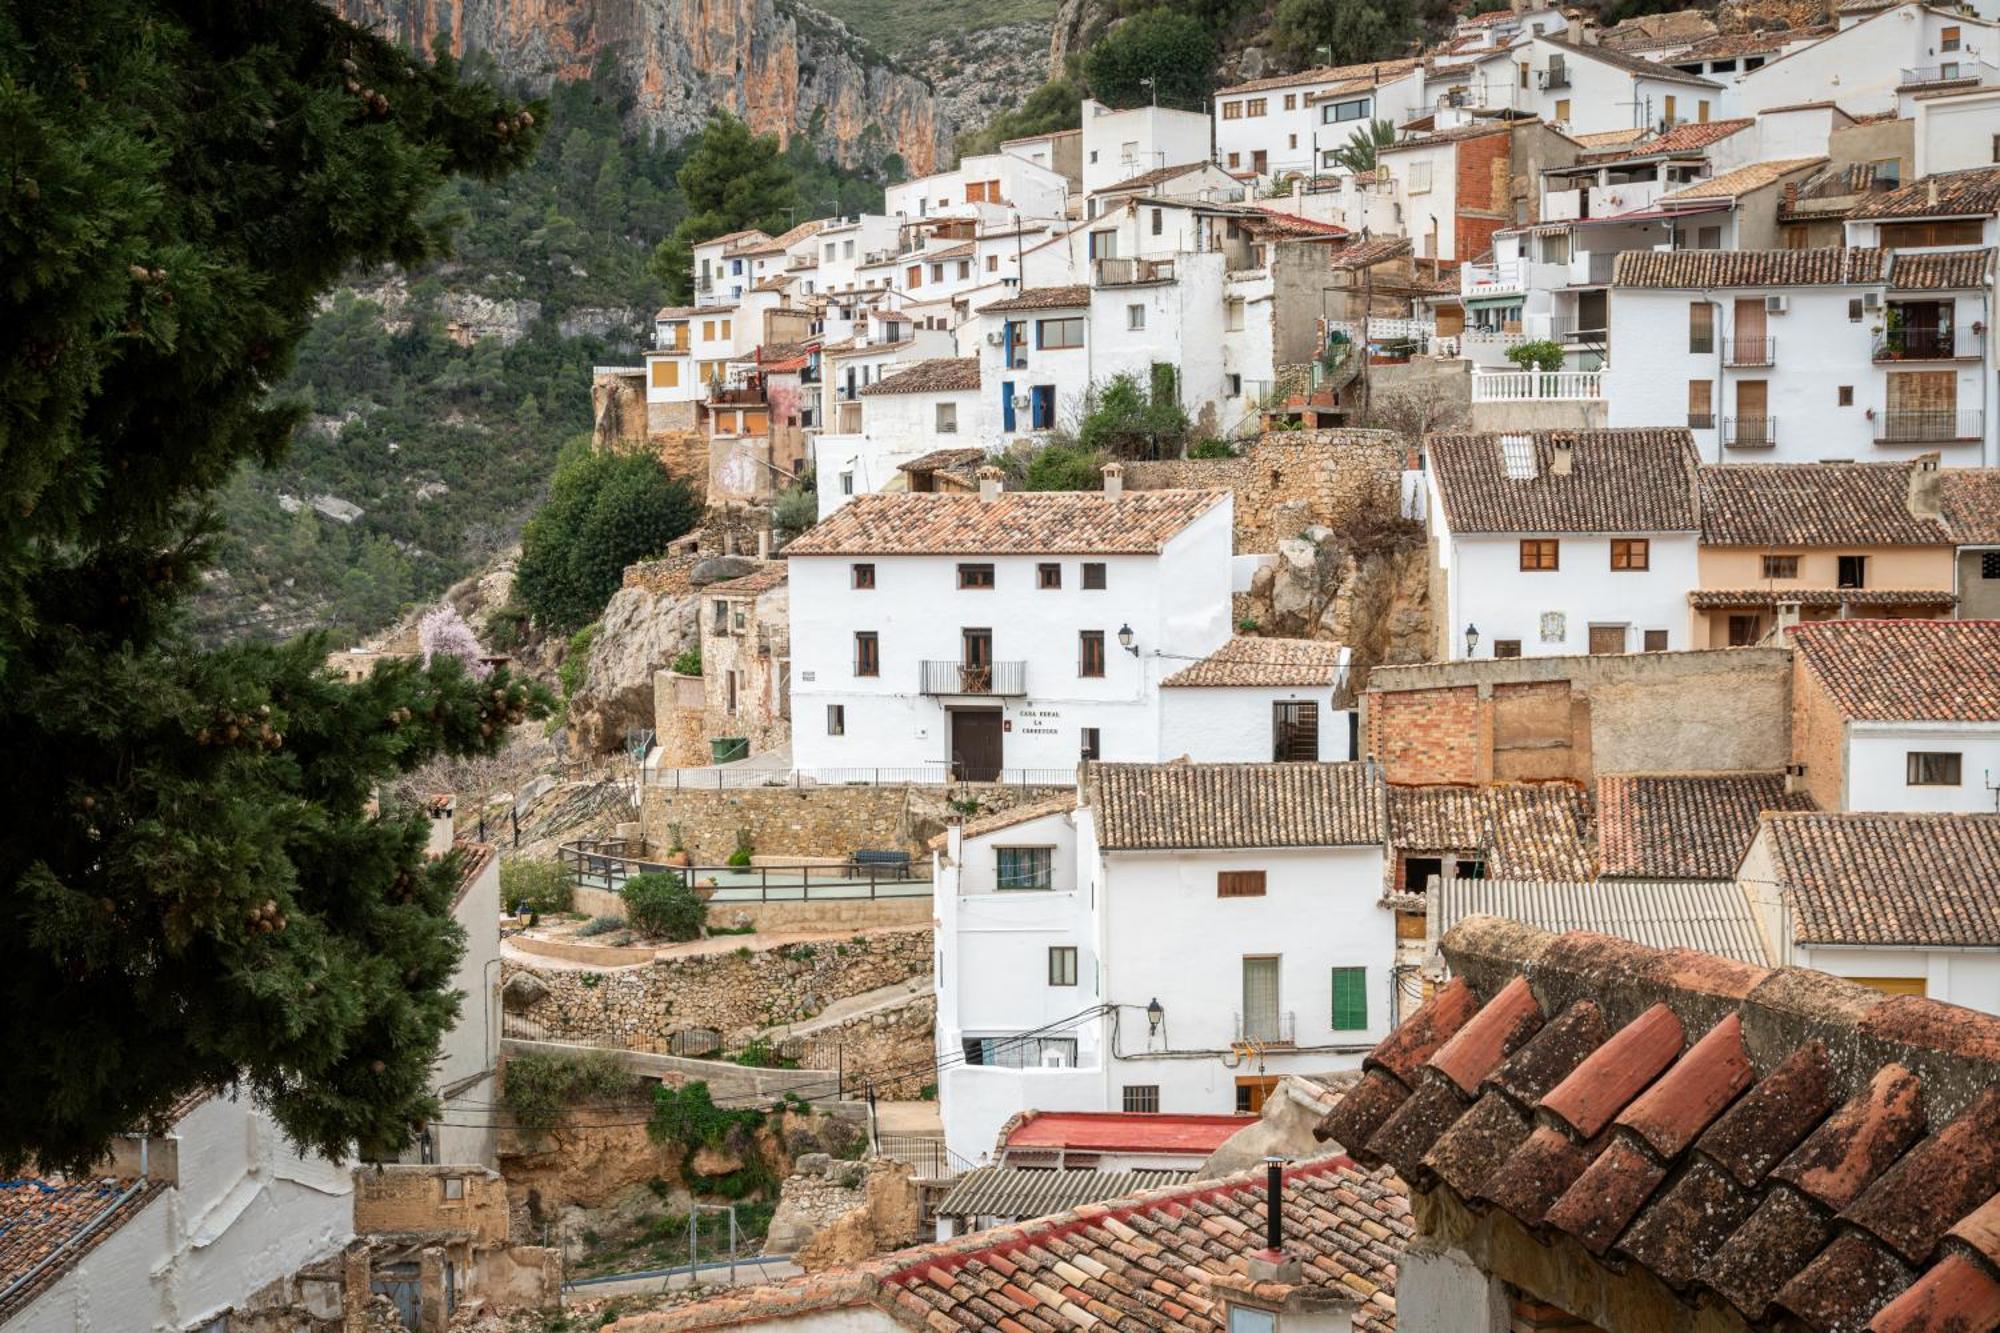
[(945, 374), (757, 581), (1710, 599), (1478, 130), (1527, 830), (1619, 481), (1364, 254), (1725, 45), (1889, 879), (962, 460), (1043, 298), (1012, 523), (782, 241), (1812, 504), (1712, 915), (1970, 501), (1636, 65), (1906, 670), (1152, 807), (1657, 29), (1689, 138), (1940, 271), (1608, 138), (1694, 827), (1006, 819), (736, 237), (39, 1217), (1825, 266), (1148, 179), (1747, 1135), (473, 858), (1973, 192), (1253, 661), (1143, 1262), (1735, 184), (676, 312), (1271, 222), (1383, 69)]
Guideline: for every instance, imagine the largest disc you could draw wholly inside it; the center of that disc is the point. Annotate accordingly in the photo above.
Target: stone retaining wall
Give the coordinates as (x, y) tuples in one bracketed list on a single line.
[(786, 822), (1288, 480), (895, 1049)]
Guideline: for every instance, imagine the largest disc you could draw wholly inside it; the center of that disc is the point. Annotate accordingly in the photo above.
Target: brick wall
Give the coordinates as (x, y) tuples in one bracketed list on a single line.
[(395, 1198), (1819, 733), (1321, 476), (1482, 170), (1429, 735)]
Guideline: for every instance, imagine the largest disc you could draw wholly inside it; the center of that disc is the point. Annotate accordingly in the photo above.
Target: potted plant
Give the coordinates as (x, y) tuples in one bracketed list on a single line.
[(706, 889), (677, 852), (741, 856)]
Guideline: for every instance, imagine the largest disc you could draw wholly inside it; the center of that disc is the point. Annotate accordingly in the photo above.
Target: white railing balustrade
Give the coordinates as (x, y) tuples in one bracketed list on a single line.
[(1385, 328), (1524, 386)]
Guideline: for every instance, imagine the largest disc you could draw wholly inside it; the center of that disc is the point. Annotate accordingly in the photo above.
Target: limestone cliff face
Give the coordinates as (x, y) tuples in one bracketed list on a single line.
[(784, 69)]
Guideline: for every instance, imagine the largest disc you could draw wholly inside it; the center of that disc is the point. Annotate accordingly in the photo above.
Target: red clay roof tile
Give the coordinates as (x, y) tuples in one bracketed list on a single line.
[(1939, 1181), (1616, 1072), (1780, 1238), (1608, 1195), (1418, 1039), (1858, 1142), (1501, 1027), (1769, 1121), (1980, 1230), (1956, 1296), (1851, 1278), (1407, 1136), (1683, 1101), (1539, 1172), (1533, 1071), (1365, 1109), (1466, 1155), (1684, 1228)]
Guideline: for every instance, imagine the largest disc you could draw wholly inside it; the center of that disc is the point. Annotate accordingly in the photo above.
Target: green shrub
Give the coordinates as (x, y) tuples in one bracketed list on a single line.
[(604, 512), (1212, 448), (538, 886), (1127, 419), (744, 849), (795, 508), (600, 925), (576, 661), (1154, 54), (662, 906), (688, 663), (760, 1054), (1542, 354), (536, 1089), (1057, 466)]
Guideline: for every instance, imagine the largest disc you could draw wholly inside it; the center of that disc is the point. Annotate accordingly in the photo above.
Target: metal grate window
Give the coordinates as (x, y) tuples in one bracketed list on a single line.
[(1025, 867), (1350, 998), (1989, 565), (1142, 1099), (1295, 732)]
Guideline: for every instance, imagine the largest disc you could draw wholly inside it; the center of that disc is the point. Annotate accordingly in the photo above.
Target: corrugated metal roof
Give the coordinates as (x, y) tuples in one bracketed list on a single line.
[(1011, 1192), (1712, 916)]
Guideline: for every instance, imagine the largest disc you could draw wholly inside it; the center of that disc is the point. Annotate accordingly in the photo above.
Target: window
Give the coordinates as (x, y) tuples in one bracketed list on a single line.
[(666, 374), (1701, 404), (1235, 161), (993, 263), (1671, 108), (1701, 327), (867, 654), (1854, 308), (836, 719), (1524, 67), (864, 575), (1159, 221), (1142, 1099), (1989, 565), (1631, 553), (1260, 1019), (718, 617), (1708, 238), (1701, 112), (1256, 106), (1656, 641), (975, 576), (1135, 317), (847, 483), (1853, 572), (1350, 999), (1232, 111), (1562, 110), (1420, 177), (1781, 566), (1538, 553), (1048, 576), (1934, 768), (964, 269), (1055, 334), (1745, 631), (1018, 1052), (1844, 396), (1295, 732), (1239, 883), (1089, 746), (1506, 647), (1024, 867), (1062, 964), (725, 328), (1090, 653), (947, 418), (1093, 576), (1354, 109), (454, 1188), (1947, 39)]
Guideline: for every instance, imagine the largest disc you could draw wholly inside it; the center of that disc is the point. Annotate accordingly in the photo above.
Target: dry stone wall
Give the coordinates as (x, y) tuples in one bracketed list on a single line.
[(895, 1049), (786, 821), (1287, 481)]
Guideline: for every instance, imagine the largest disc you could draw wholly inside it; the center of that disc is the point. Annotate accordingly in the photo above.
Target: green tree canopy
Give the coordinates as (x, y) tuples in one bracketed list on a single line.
[(732, 179), (1054, 106), (1342, 32), (604, 512), (193, 889), (1125, 419), (1172, 49)]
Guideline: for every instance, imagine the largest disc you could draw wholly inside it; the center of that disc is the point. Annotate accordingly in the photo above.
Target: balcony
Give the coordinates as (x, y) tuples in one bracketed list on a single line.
[(1930, 427), (1592, 268), (1499, 279), (1008, 679), (1533, 386), (1749, 351), (1920, 344), (1750, 432), (1553, 79), (1929, 76), (1268, 1029), (737, 395), (1133, 272)]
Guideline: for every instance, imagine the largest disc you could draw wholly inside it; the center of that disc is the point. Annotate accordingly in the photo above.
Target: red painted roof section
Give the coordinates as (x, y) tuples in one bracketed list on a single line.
[(1116, 1131)]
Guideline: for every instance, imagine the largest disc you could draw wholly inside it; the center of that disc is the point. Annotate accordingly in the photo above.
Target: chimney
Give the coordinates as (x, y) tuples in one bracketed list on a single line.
[(1795, 779), (1114, 480), (764, 544), (989, 484), (1272, 1264), (441, 824), (1562, 459), (1931, 191), (1925, 483)]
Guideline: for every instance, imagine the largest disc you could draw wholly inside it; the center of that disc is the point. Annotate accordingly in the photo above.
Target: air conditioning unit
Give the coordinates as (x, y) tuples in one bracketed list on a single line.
[(1055, 1059), (1777, 305), (995, 339), (1021, 402)]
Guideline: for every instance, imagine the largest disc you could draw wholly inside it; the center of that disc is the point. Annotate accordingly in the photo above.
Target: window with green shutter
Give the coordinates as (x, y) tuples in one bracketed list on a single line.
[(1350, 998)]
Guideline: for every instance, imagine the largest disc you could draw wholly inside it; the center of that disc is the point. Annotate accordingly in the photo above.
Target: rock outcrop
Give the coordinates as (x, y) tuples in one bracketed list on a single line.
[(644, 628), (782, 67)]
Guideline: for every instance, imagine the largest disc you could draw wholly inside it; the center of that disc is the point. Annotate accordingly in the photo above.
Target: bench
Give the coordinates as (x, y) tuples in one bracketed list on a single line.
[(874, 863)]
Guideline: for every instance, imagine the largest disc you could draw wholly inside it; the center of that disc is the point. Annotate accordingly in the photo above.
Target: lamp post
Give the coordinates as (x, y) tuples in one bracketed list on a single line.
[(1471, 639), (1125, 640)]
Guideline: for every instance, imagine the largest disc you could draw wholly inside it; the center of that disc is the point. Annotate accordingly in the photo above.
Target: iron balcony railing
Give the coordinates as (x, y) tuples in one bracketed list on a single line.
[(1001, 678), (1917, 345), (1701, 421), (1929, 427), (1555, 78), (1918, 76), (1268, 1029), (1131, 272), (1745, 351), (1750, 432)]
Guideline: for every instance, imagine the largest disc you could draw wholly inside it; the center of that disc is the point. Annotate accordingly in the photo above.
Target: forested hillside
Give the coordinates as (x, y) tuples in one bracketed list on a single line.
[(439, 399)]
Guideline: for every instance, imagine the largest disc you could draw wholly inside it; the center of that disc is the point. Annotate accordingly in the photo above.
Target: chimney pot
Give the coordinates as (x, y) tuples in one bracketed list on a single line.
[(1562, 457), (1114, 480), (989, 484), (1274, 1204)]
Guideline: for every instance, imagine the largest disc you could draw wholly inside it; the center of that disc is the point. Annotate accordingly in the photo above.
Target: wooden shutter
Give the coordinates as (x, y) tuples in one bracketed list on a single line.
[(1239, 883), (1350, 998)]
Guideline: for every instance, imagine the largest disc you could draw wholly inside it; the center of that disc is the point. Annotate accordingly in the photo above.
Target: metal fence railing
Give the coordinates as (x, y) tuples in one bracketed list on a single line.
[(940, 775), (1750, 432), (1942, 426), (998, 678), (928, 1155), (607, 863)]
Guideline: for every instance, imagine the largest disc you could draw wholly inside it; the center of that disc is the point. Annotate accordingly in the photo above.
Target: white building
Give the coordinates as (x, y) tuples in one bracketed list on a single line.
[(1578, 89), (1255, 700), (979, 635), (845, 243), (1143, 951), (1900, 902), (185, 1226), (1034, 361), (1118, 145), (465, 1078), (721, 274), (1843, 353), (912, 410), (1562, 542), (1872, 65), (988, 187), (1292, 123)]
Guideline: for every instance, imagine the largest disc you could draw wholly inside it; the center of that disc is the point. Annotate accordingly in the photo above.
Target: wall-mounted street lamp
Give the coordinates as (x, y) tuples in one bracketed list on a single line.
[(1125, 640), (1155, 1015), (1471, 639)]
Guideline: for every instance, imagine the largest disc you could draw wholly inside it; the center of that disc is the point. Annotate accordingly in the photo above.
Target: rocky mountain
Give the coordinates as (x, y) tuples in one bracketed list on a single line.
[(781, 66)]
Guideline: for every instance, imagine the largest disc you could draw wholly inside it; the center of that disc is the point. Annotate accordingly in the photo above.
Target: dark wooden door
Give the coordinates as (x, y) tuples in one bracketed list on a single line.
[(975, 745)]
